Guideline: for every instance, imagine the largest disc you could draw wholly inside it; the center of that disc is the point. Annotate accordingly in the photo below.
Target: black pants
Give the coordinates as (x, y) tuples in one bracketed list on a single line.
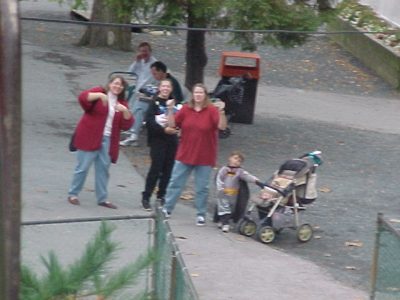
[(162, 161)]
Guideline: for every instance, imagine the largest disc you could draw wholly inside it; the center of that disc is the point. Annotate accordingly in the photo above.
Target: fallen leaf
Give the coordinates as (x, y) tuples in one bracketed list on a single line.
[(354, 244), (186, 196), (350, 268), (194, 275), (325, 189), (181, 237), (240, 238)]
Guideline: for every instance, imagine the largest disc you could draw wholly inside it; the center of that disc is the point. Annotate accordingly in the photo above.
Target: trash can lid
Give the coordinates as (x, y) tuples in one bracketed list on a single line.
[(235, 63), (240, 54)]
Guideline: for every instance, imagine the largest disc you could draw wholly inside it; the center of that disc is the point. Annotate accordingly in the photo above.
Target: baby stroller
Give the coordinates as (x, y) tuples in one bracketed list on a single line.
[(284, 196)]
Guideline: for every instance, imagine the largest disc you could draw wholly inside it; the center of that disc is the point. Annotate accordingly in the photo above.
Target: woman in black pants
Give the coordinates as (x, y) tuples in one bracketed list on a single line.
[(163, 143)]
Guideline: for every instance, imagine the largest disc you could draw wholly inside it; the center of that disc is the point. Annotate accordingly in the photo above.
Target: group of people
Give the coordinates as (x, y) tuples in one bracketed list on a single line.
[(106, 113), (149, 72)]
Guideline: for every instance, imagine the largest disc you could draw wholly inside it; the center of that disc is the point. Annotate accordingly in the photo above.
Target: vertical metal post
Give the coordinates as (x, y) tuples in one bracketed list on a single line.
[(157, 244), (374, 267), (172, 291), (10, 149)]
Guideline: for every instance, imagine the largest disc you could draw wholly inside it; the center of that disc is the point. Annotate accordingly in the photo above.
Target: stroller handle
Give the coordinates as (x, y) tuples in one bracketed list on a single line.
[(315, 155), (283, 193), (133, 74)]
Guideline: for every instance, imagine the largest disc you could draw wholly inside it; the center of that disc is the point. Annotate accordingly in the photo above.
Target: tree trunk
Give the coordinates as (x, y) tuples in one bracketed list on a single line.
[(121, 36), (96, 36), (326, 4), (102, 36), (196, 55)]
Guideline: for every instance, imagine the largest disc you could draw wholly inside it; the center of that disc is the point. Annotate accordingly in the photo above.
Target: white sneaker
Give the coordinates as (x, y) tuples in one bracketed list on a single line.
[(200, 221), (166, 213), (225, 228), (129, 140)]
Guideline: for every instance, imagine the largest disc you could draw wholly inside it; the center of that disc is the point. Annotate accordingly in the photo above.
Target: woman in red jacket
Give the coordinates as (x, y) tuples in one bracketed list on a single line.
[(97, 136)]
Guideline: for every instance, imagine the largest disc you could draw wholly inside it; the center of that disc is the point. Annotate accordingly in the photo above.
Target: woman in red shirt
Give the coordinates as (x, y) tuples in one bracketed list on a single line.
[(97, 136), (199, 121)]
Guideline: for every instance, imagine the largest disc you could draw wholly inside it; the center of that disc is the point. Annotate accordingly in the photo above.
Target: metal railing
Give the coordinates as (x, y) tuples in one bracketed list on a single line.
[(167, 279), (172, 280), (385, 274)]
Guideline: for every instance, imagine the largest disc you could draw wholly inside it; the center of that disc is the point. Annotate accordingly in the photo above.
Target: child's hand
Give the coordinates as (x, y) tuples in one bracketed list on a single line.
[(260, 184), (265, 195)]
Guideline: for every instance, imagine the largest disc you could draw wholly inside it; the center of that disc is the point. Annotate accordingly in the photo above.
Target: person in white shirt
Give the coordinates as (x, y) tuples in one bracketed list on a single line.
[(141, 67)]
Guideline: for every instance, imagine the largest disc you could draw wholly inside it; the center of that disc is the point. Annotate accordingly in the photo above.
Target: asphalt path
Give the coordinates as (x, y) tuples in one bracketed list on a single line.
[(350, 115)]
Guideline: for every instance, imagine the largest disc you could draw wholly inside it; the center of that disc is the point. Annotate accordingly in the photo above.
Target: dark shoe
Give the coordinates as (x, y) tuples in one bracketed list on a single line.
[(161, 200), (146, 204), (73, 200), (108, 205)]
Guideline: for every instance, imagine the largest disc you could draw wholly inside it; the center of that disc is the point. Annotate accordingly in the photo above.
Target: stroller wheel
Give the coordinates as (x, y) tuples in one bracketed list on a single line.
[(247, 227), (266, 234), (304, 232)]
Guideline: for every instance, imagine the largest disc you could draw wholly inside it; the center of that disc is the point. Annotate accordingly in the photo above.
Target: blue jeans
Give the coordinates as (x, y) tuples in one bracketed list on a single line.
[(139, 111), (180, 174), (102, 162)]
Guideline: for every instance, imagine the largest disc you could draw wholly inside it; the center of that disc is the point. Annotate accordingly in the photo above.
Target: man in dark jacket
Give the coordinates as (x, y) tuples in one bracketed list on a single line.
[(159, 71)]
